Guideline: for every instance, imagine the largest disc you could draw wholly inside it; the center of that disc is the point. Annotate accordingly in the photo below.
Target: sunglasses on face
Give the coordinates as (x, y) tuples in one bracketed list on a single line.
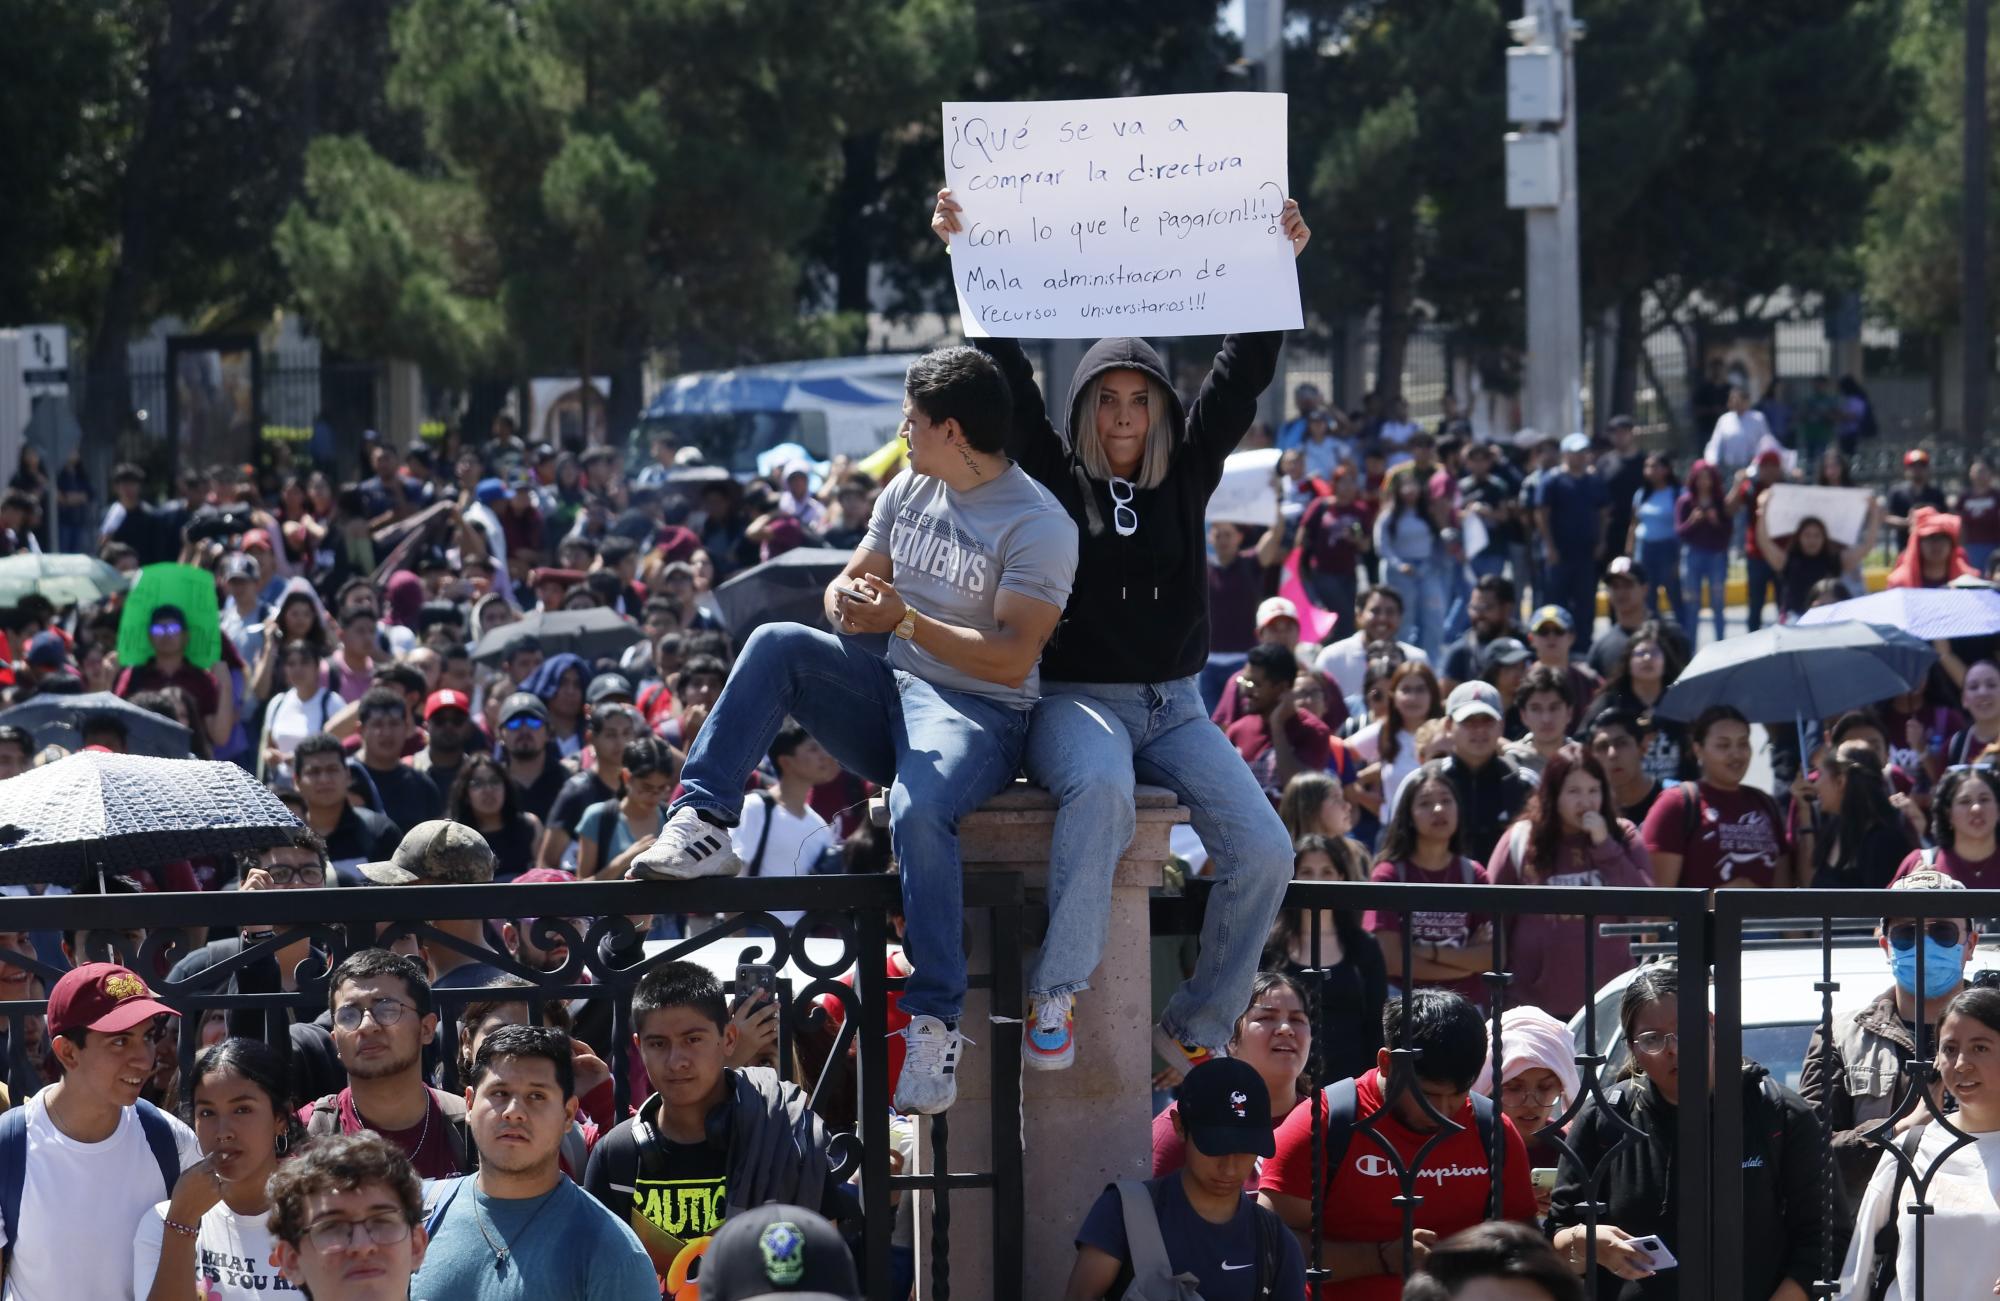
[(1945, 934), (526, 722), (167, 629)]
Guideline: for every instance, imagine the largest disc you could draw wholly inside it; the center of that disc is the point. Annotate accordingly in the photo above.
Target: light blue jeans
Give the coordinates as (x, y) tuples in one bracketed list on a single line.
[(1699, 567), (1088, 743), (940, 753), (1426, 596)]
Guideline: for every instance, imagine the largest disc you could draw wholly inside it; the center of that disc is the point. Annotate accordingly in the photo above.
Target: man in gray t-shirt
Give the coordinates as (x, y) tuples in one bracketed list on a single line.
[(967, 564)]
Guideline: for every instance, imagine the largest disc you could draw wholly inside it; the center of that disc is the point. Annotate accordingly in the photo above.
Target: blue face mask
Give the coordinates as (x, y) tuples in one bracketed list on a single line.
[(1944, 964)]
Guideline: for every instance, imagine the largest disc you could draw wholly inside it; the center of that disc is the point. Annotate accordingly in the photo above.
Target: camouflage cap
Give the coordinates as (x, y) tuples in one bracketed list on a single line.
[(439, 852)]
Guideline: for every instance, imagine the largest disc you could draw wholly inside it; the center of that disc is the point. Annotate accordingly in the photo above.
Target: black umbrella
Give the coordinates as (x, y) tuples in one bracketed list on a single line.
[(789, 588), (111, 813), (59, 720), (1799, 671), (593, 634)]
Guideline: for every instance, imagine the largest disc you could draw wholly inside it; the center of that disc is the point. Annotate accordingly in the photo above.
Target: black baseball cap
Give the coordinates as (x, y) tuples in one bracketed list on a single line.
[(778, 1251), (1226, 1109)]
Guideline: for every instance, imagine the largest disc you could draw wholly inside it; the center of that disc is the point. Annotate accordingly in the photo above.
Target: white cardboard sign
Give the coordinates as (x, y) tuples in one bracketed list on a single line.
[(1244, 495), (1153, 215), (1844, 511)]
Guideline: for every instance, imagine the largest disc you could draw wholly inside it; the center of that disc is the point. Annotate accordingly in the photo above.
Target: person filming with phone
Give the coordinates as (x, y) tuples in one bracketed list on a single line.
[(1640, 1190)]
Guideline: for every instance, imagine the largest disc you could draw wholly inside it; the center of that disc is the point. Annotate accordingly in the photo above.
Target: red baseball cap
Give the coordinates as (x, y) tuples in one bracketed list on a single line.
[(447, 699), (256, 538), (102, 996)]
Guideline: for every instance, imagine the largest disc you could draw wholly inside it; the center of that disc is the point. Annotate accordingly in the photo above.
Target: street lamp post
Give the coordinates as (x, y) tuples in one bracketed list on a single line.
[(1542, 180)]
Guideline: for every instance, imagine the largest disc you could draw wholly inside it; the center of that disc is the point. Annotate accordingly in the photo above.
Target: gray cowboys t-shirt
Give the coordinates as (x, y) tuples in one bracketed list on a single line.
[(953, 552)]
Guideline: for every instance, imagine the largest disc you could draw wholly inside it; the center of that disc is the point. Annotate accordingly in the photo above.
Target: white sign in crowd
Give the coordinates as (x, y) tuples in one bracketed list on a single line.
[(1154, 215)]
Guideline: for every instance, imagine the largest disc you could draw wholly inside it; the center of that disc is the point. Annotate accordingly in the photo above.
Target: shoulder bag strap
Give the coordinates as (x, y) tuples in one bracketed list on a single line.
[(13, 1171), (756, 867), (1145, 1249)]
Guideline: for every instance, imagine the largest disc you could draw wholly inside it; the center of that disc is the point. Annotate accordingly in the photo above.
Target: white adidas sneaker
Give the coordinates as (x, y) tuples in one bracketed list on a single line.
[(929, 1082), (687, 847)]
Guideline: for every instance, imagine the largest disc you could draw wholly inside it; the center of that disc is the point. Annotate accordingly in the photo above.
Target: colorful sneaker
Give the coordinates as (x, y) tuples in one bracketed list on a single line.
[(1051, 1038), (1178, 1056), (687, 847), (929, 1082)]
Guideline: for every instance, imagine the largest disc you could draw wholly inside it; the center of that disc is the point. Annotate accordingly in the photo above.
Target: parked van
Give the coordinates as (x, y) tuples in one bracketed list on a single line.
[(841, 405)]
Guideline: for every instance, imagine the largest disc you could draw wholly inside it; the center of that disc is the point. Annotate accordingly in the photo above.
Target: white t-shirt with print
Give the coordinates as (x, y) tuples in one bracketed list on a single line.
[(80, 1203), (232, 1255), (795, 845)]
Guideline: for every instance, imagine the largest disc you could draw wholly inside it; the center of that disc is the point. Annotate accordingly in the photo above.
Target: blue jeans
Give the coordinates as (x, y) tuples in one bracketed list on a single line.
[(1763, 584), (1663, 574), (1979, 553), (1089, 742), (1710, 567), (1572, 584), (1425, 595), (939, 753)]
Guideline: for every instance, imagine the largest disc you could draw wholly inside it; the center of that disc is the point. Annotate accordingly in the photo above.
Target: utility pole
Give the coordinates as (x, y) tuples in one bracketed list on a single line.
[(1542, 180), (1264, 47), (1975, 325)]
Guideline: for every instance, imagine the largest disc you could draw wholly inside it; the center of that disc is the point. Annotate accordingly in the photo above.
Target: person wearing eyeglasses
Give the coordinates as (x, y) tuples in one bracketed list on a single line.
[(1538, 1083), (531, 762), (382, 1020), (347, 1220), (1134, 467), (1857, 1079), (213, 692), (1636, 1182)]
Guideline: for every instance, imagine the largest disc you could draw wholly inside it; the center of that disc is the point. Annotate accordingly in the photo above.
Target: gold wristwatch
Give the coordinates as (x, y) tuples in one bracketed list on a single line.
[(907, 629)]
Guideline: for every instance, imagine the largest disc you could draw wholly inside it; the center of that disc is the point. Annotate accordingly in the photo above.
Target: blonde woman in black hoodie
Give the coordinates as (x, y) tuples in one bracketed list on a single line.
[(1135, 470)]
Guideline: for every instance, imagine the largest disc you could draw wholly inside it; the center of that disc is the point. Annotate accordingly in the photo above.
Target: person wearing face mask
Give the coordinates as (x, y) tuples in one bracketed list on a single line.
[(1957, 1241), (1965, 815), (1857, 1079)]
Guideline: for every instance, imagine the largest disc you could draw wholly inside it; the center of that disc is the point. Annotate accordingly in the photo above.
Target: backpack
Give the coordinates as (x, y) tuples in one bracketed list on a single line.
[(1343, 1108), (1887, 1238), (755, 867), (159, 1132), (1153, 1278), (325, 1122)]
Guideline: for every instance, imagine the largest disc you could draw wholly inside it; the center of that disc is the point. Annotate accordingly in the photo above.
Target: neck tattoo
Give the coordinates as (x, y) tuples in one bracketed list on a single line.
[(971, 464)]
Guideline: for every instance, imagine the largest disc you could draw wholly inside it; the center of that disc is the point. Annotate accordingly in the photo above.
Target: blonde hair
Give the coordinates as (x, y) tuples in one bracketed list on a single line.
[(1159, 432)]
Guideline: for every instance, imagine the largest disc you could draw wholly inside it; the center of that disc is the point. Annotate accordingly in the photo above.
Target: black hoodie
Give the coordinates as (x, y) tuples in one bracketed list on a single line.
[(1782, 1188), (1138, 611)]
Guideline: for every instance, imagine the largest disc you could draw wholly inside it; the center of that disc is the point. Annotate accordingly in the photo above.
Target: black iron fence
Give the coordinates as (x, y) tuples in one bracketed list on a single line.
[(606, 957), (1816, 943)]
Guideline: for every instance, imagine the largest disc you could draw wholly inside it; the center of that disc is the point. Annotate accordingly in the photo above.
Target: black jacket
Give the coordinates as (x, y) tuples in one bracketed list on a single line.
[(1490, 799), (1138, 610), (1782, 1188)]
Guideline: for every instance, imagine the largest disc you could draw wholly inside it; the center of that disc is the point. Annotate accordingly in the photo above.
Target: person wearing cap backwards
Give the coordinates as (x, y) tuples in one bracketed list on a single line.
[(1570, 519), (1134, 467), (778, 1253), (92, 1157), (1857, 1081), (1916, 489), (1492, 789), (1203, 1224), (531, 760), (1625, 586)]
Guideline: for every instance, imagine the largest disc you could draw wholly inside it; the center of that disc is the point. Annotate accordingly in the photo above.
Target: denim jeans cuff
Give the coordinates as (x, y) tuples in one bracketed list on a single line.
[(1074, 987)]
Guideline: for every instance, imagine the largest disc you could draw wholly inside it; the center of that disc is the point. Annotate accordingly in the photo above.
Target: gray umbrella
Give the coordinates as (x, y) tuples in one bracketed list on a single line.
[(1794, 672), (94, 812), (59, 720), (788, 588), (593, 634)]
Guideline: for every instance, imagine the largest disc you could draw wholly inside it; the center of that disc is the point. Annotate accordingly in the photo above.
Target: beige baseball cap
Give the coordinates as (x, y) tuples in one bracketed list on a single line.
[(438, 852)]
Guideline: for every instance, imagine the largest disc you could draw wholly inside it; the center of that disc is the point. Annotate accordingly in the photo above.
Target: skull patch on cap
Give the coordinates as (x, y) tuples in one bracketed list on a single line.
[(784, 1252)]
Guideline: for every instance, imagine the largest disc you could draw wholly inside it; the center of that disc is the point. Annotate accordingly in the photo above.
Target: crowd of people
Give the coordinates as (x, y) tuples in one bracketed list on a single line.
[(1034, 589)]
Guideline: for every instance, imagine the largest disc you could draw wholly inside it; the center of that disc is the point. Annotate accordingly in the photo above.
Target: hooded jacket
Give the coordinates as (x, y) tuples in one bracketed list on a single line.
[(1138, 611), (1782, 1190), (1927, 522)]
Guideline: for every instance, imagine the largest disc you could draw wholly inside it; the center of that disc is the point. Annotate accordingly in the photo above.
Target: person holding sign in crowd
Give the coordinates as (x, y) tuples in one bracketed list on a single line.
[(1134, 468)]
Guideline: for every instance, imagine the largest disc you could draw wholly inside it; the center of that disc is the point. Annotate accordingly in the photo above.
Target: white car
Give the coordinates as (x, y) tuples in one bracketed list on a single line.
[(1780, 1006)]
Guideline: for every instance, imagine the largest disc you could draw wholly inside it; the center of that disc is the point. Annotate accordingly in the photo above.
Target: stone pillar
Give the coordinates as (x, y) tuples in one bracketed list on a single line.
[(1083, 1127)]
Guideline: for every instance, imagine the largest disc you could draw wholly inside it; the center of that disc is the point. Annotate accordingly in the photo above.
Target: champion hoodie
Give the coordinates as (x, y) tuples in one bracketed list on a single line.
[(1138, 611)]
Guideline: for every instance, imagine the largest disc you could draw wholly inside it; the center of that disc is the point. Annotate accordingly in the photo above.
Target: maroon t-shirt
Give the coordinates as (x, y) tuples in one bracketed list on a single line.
[(1734, 837), (1311, 742), (1979, 519), (426, 1143), (147, 677), (1330, 535), (1450, 929), (1973, 873), (1233, 593)]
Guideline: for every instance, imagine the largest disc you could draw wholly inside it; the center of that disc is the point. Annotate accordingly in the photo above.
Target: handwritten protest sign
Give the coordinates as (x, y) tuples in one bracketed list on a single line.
[(1844, 511), (1151, 215)]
